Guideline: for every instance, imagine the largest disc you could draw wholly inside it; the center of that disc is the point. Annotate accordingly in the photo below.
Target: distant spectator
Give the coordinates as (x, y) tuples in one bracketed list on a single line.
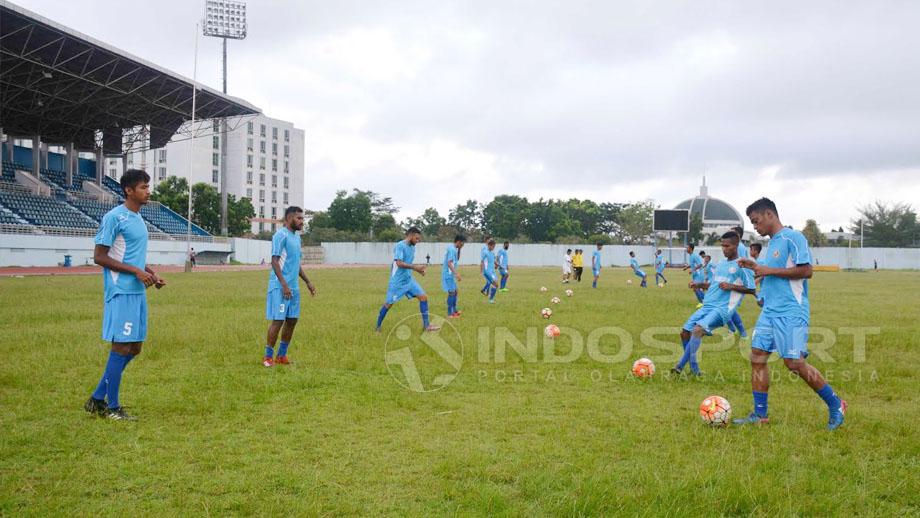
[(875, 264), (428, 259), (192, 257)]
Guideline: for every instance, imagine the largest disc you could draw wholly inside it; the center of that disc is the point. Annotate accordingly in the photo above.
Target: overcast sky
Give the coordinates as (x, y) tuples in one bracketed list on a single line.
[(814, 104)]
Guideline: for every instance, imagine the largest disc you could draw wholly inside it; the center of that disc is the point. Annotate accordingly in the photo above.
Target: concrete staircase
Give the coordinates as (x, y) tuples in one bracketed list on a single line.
[(313, 255)]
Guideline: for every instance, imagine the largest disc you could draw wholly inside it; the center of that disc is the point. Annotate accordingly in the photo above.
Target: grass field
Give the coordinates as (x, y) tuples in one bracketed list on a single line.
[(336, 433)]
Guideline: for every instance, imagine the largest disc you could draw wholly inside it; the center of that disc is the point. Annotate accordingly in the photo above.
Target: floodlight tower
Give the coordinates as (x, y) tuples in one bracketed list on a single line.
[(224, 19)]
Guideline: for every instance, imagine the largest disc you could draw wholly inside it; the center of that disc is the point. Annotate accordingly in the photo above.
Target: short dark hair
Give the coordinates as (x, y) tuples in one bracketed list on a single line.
[(762, 205), (132, 177), (757, 246), (460, 237), (413, 230), (702, 253), (600, 243), (739, 230), (632, 254), (691, 246), (569, 250), (293, 209), (731, 235), (507, 242)]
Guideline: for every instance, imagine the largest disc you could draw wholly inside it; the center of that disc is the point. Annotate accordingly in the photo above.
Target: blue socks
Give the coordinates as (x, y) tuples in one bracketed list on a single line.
[(383, 313), (699, 295), (423, 307), (689, 356), (829, 397), (451, 303), (486, 287), (282, 349), (760, 402), (594, 284), (737, 323), (504, 281), (492, 293), (111, 378), (269, 351)]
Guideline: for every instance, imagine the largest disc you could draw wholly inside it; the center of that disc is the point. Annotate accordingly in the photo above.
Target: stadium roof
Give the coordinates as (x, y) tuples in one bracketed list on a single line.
[(65, 86), (712, 211)]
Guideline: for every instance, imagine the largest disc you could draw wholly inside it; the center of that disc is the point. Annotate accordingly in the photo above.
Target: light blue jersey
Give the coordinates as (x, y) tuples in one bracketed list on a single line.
[(502, 259), (286, 247), (634, 264), (406, 253), (450, 256), (125, 233), (696, 262), (708, 270), (596, 261), (743, 251), (489, 263), (726, 301), (785, 297), (483, 252), (659, 263)]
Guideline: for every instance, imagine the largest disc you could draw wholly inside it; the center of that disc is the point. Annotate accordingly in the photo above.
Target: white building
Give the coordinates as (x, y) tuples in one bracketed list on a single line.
[(265, 163)]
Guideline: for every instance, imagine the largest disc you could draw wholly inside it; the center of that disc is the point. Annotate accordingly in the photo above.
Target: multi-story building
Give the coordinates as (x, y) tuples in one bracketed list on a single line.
[(265, 163)]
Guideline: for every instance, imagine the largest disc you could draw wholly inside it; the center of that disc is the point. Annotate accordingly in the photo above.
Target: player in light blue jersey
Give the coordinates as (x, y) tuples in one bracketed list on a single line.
[(596, 263), (634, 264), (487, 268), (725, 288), (450, 275), (660, 265), (736, 324), (783, 323), (502, 260), (755, 251), (121, 250), (708, 266), (482, 257), (695, 265), (282, 303), (401, 282)]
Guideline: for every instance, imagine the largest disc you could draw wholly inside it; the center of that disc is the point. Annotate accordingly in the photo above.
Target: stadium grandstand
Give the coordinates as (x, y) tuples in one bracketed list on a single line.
[(65, 90)]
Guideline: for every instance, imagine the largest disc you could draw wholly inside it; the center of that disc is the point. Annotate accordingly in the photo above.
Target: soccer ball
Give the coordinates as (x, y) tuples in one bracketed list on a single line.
[(661, 285), (555, 300), (629, 282), (643, 368), (546, 312), (543, 289), (569, 293), (551, 331), (715, 411)]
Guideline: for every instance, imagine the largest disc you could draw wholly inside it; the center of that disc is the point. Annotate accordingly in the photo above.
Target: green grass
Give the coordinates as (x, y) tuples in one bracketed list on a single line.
[(337, 434)]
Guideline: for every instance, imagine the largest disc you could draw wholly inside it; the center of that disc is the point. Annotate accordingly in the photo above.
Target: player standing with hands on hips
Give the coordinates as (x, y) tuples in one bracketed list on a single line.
[(282, 305)]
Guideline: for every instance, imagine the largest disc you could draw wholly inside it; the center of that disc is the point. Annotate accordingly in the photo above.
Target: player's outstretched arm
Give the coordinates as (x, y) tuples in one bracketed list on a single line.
[(303, 275), (102, 258)]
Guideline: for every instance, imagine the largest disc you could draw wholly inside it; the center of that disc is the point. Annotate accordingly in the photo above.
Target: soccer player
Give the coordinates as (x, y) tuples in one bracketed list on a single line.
[(487, 267), (660, 265), (755, 255), (482, 257), (724, 291), (401, 282), (635, 267), (121, 251), (783, 323), (567, 266), (696, 274), (707, 266), (596, 263), (282, 302), (736, 324), (450, 276), (578, 263), (503, 265)]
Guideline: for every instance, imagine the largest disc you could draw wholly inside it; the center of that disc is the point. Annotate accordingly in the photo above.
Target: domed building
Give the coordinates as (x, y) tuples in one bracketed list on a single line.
[(717, 215)]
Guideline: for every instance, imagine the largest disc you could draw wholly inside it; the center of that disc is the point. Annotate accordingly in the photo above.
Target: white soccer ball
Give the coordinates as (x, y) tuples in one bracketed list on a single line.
[(661, 285), (555, 300), (543, 289), (546, 312), (715, 411), (569, 293), (629, 282), (552, 331)]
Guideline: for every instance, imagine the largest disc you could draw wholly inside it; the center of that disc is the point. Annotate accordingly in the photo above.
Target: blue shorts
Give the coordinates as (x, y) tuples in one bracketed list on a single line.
[(409, 290), (449, 284), (489, 276), (503, 271), (596, 272), (279, 308), (707, 318), (639, 273), (786, 336), (124, 318)]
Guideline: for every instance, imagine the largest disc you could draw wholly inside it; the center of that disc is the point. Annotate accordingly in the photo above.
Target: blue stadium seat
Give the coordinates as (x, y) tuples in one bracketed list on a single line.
[(42, 211)]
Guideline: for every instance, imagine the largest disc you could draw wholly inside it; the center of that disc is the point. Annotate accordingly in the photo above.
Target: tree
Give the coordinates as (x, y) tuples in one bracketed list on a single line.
[(609, 217), (504, 216), (888, 226), (206, 207), (383, 223), (173, 193), (545, 221), (351, 212), (813, 234), (586, 213), (696, 229), (466, 217), (635, 221), (239, 215), (320, 220), (429, 222)]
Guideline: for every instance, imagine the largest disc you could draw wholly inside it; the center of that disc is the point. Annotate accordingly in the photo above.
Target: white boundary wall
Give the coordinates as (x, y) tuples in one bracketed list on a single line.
[(612, 255), (39, 250)]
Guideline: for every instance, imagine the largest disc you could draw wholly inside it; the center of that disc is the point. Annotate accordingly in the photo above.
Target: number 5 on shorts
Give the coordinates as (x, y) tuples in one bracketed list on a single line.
[(127, 331)]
